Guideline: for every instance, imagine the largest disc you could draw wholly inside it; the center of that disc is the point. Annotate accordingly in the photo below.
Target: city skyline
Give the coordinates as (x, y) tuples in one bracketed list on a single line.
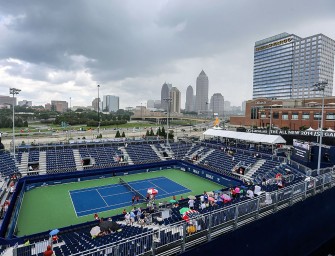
[(50, 53)]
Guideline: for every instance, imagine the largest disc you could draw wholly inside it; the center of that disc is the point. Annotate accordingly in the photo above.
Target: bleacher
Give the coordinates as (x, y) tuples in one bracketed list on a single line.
[(73, 242), (142, 153), (7, 164), (60, 160), (104, 156), (180, 149)]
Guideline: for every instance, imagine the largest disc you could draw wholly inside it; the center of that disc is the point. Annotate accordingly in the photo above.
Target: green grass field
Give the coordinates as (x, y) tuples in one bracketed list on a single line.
[(46, 208)]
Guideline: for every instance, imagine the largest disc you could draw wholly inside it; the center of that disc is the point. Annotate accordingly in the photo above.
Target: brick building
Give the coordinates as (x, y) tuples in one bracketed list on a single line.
[(290, 113)]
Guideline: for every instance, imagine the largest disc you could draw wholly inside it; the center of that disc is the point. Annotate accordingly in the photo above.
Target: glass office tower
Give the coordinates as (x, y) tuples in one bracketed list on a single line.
[(286, 66)]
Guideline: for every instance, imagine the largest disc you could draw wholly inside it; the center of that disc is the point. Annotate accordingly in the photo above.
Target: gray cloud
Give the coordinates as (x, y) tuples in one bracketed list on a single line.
[(134, 46)]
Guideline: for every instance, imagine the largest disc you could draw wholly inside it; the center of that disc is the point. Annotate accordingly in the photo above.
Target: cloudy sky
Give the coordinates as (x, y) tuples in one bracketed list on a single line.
[(57, 49)]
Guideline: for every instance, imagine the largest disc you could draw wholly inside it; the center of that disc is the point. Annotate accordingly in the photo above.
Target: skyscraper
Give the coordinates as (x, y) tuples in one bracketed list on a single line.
[(286, 66), (189, 104), (111, 103), (217, 104), (165, 94), (176, 100), (202, 92), (95, 103)]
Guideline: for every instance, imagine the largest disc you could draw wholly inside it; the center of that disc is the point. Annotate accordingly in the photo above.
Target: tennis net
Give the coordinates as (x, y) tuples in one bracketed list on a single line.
[(134, 191)]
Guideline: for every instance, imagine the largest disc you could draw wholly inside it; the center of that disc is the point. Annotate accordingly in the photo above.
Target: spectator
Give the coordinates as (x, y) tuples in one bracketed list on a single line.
[(49, 251), (181, 198), (202, 206), (127, 218), (132, 218), (124, 212), (191, 204), (202, 198), (96, 216), (264, 182), (250, 194)]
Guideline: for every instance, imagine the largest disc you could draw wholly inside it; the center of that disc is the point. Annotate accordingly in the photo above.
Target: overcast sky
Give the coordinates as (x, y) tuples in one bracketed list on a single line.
[(57, 49)]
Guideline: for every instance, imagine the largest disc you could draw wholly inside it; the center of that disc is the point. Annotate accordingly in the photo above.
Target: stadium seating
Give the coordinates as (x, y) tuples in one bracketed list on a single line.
[(7, 164), (60, 160), (103, 156), (142, 153)]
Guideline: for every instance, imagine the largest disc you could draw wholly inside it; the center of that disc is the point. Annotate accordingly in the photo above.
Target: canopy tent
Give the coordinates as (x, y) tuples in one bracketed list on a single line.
[(246, 136)]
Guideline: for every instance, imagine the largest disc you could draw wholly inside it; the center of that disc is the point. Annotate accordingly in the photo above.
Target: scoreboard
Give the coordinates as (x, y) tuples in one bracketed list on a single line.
[(301, 150)]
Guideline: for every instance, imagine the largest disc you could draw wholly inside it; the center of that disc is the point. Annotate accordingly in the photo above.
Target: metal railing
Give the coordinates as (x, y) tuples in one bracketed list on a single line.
[(177, 237)]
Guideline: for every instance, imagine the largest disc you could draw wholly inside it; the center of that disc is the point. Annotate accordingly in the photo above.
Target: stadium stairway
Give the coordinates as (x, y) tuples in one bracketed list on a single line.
[(77, 160), (125, 154), (190, 150), (23, 165), (43, 162), (203, 157), (254, 168), (167, 150), (157, 153)]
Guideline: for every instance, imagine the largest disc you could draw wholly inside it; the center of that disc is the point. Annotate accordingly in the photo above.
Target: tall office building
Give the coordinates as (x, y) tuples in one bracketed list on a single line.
[(189, 104), (111, 103), (59, 105), (96, 104), (165, 94), (7, 100), (287, 66), (202, 92), (150, 103), (176, 100), (25, 103), (217, 104)]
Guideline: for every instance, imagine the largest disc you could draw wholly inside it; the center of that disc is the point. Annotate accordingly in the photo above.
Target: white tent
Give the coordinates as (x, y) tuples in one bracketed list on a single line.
[(310, 129), (330, 130), (246, 136)]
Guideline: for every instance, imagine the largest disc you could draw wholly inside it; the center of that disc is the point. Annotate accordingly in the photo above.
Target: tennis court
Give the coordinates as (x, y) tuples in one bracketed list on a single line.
[(50, 207), (103, 198)]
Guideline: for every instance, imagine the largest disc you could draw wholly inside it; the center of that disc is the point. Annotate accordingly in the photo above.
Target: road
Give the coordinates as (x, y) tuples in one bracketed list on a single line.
[(42, 138)]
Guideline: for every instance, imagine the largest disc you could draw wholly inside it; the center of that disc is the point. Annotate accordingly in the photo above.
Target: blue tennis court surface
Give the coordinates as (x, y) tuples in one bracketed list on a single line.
[(98, 199)]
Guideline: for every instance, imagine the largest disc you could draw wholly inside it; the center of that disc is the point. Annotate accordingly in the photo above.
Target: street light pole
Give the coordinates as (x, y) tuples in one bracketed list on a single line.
[(320, 87), (168, 101), (98, 108), (14, 91)]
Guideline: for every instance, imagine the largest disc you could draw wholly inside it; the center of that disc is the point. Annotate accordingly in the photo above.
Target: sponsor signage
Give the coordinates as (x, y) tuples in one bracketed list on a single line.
[(289, 132), (270, 45)]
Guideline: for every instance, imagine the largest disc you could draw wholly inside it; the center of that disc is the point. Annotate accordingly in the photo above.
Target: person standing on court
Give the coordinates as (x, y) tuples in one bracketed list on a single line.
[(133, 200)]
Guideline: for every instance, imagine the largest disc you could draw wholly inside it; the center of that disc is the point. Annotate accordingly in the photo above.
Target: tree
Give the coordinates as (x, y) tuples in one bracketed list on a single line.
[(163, 133), (152, 132), (147, 134), (117, 135), (158, 133), (123, 134), (171, 135)]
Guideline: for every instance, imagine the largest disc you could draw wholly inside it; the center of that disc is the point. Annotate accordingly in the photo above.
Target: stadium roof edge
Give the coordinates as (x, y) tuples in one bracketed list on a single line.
[(246, 136)]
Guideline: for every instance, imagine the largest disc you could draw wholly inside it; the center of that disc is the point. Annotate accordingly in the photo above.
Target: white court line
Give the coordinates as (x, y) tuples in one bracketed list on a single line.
[(102, 197), (158, 187), (109, 186), (73, 204), (127, 192), (104, 207)]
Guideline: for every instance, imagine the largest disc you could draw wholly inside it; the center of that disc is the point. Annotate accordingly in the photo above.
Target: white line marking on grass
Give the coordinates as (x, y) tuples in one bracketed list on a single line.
[(102, 197), (73, 204)]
